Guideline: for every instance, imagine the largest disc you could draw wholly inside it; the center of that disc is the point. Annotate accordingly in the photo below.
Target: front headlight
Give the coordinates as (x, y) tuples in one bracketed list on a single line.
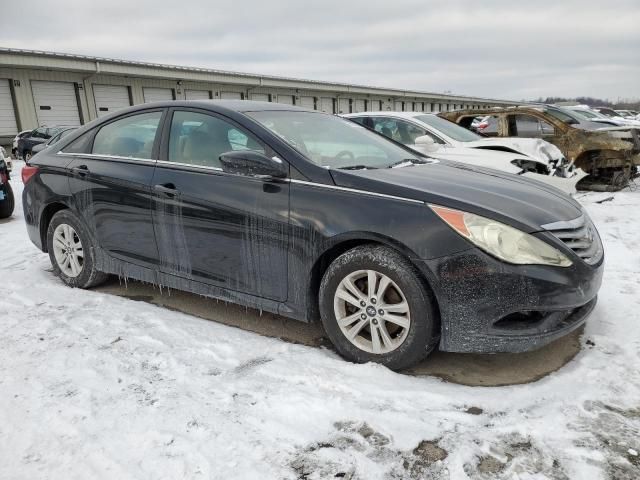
[(500, 240)]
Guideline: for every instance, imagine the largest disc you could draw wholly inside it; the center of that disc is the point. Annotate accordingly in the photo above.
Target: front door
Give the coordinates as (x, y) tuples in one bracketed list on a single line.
[(110, 182), (222, 229)]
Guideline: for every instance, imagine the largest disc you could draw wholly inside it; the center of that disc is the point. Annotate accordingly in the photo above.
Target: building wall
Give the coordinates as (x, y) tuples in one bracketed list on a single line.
[(21, 77)]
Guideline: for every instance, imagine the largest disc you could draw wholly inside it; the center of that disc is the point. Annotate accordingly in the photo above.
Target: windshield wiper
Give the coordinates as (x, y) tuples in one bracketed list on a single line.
[(356, 167), (408, 162)]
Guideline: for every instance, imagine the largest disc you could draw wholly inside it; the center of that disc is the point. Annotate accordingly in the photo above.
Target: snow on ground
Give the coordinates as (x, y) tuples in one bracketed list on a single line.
[(98, 386)]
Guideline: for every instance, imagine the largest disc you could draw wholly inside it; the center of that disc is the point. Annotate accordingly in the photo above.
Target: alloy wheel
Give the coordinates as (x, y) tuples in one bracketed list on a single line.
[(372, 311), (67, 249)]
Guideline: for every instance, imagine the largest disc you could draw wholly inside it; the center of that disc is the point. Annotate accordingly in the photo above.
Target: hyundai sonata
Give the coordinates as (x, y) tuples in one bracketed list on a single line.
[(314, 217)]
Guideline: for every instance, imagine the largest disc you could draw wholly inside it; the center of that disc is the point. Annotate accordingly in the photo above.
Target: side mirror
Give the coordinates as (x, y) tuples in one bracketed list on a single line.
[(426, 143), (253, 164)]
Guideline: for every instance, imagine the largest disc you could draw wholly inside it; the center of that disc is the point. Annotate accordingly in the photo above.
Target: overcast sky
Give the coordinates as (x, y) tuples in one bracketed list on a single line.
[(495, 48)]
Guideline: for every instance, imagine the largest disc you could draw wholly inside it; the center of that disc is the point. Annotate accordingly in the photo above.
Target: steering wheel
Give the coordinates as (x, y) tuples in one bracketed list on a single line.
[(345, 154)]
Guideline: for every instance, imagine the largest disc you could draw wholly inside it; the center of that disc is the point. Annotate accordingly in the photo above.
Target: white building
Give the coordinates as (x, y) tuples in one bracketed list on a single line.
[(44, 88)]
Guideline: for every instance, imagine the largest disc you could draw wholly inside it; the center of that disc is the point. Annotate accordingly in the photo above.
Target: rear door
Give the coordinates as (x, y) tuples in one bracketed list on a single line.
[(111, 172), (226, 230)]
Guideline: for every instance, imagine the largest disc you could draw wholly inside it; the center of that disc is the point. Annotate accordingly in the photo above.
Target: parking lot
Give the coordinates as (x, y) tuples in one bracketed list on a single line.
[(125, 381)]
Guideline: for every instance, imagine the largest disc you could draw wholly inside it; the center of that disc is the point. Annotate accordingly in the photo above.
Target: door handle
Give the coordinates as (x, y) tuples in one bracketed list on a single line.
[(81, 170), (166, 189)]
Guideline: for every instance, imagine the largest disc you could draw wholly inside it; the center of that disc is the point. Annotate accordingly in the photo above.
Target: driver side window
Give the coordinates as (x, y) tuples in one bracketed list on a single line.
[(199, 139)]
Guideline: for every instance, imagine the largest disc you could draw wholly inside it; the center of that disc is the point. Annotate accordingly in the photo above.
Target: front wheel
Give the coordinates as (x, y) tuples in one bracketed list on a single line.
[(71, 251), (375, 308)]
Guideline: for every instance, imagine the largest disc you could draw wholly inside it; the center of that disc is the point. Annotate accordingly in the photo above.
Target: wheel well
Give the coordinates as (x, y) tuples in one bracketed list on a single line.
[(321, 265), (48, 213), (584, 160)]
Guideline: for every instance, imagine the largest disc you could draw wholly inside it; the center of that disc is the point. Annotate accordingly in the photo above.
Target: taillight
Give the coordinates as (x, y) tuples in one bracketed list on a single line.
[(482, 126), (27, 173), (4, 178)]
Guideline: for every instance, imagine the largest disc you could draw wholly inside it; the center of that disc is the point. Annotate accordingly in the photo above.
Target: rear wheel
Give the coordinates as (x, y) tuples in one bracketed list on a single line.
[(71, 251), (375, 308), (7, 205)]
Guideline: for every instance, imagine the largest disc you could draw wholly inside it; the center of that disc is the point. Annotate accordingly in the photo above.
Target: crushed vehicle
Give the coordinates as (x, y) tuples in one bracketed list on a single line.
[(610, 155), (314, 217), (439, 138)]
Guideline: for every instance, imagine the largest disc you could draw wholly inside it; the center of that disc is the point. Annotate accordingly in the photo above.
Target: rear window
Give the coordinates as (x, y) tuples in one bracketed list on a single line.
[(131, 136)]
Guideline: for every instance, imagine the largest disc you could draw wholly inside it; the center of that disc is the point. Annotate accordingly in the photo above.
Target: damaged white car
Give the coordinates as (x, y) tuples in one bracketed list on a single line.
[(439, 138)]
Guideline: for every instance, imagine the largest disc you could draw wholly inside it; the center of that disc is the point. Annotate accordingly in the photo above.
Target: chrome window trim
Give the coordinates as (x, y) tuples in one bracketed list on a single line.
[(107, 157), (216, 169), (355, 190), (189, 165)]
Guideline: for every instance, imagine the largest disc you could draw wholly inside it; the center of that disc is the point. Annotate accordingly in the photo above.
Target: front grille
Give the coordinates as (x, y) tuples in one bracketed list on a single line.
[(581, 236)]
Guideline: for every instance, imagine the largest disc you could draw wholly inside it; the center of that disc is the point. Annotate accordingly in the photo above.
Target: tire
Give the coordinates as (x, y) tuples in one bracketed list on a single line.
[(72, 230), (405, 296), (7, 205), (26, 156)]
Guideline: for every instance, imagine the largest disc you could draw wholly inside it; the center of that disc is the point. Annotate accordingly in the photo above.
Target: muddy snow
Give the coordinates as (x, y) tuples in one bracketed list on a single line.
[(98, 386)]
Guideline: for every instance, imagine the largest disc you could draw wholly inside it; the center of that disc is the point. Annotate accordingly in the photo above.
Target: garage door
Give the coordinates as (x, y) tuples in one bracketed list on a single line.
[(286, 99), (56, 103), (343, 105), (152, 94), (326, 105), (308, 102), (8, 125), (231, 95), (260, 97), (110, 98), (197, 95), (359, 106)]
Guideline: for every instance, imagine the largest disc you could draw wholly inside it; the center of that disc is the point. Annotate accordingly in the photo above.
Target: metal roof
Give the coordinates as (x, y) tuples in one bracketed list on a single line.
[(188, 69)]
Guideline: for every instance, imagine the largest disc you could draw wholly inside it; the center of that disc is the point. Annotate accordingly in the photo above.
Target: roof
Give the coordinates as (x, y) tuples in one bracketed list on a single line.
[(29, 58)]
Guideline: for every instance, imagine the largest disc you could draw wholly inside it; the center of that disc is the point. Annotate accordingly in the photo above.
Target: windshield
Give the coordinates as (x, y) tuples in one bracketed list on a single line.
[(332, 142), (449, 129), (588, 114), (563, 116)]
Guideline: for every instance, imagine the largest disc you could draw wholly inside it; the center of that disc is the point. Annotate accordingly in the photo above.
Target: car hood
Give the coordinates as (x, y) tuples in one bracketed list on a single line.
[(536, 148), (523, 203), (475, 156)]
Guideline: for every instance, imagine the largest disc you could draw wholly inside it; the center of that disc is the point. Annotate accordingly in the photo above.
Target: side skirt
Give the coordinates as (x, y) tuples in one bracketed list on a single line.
[(107, 264)]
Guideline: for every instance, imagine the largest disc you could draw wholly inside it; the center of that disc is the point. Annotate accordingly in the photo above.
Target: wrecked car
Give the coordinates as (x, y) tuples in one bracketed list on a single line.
[(439, 138), (609, 155), (314, 217)]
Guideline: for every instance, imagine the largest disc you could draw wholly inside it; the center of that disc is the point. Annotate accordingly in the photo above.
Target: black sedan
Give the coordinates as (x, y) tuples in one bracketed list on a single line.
[(315, 217), (40, 135), (62, 132)]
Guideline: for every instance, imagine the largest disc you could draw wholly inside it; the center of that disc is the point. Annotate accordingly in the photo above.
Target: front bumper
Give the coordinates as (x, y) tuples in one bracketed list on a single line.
[(488, 306)]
